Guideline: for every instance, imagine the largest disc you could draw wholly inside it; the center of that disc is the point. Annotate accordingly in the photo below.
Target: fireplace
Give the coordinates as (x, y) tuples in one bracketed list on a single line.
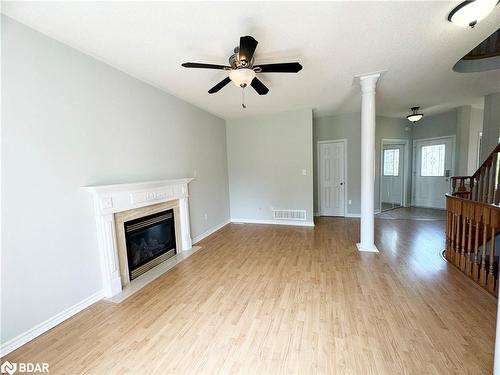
[(116, 205), (150, 240)]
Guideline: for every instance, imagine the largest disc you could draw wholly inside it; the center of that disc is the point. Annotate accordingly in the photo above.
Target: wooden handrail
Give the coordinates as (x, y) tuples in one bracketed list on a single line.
[(481, 204)]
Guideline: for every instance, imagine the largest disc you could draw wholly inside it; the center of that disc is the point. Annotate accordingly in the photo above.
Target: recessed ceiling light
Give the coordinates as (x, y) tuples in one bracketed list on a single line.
[(469, 13), (415, 116)]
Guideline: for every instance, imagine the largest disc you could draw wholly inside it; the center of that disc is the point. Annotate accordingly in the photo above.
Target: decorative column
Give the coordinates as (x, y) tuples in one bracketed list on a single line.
[(111, 280), (368, 84), (187, 242)]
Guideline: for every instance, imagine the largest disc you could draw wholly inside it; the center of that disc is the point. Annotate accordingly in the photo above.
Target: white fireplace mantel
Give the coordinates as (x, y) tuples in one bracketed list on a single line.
[(110, 199)]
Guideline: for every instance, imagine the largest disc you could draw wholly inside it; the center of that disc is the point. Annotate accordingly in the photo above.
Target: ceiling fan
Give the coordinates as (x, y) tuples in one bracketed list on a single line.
[(242, 70)]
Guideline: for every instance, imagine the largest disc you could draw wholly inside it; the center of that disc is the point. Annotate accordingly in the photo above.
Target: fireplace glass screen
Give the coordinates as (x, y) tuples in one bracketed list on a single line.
[(150, 241)]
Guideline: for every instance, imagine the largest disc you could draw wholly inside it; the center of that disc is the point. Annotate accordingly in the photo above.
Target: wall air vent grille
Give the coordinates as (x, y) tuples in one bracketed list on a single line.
[(289, 214)]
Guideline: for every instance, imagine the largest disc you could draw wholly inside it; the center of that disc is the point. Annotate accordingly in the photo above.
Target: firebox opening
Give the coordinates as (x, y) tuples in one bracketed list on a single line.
[(150, 241)]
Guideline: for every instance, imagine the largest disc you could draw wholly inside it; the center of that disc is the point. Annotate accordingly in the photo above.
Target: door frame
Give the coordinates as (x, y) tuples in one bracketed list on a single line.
[(406, 166), (318, 171), (453, 138)]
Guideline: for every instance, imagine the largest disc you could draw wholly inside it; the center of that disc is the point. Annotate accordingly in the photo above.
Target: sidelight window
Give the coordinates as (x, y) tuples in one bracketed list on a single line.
[(391, 162)]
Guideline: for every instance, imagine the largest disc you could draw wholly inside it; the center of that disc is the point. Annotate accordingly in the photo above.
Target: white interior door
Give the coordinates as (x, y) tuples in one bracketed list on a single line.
[(433, 168), (393, 174), (332, 178)]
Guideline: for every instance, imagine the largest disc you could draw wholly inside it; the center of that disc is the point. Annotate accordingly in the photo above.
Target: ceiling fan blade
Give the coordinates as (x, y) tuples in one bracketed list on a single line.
[(293, 67), (259, 86), (247, 48), (220, 85), (205, 66)]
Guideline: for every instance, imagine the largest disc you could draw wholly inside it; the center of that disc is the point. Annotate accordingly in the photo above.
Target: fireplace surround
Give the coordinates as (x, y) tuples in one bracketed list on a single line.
[(114, 205)]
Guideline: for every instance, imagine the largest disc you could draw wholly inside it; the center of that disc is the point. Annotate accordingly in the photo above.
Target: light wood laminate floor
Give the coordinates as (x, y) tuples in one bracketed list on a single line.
[(262, 299), (412, 213)]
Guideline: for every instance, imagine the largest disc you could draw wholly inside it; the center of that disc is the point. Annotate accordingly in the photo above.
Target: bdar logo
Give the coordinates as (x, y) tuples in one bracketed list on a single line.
[(8, 368)]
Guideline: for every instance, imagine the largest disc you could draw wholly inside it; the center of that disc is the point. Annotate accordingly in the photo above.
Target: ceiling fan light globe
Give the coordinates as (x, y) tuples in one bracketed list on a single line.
[(242, 77), (469, 13)]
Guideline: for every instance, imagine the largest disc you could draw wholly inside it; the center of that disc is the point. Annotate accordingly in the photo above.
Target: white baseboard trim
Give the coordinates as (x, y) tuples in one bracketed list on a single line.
[(274, 222), (50, 323), (210, 231), (317, 214), (352, 215)]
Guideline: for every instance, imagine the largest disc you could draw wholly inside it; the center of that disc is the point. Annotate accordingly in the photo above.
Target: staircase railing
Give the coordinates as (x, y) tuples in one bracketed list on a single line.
[(473, 223), (482, 186), (471, 231)]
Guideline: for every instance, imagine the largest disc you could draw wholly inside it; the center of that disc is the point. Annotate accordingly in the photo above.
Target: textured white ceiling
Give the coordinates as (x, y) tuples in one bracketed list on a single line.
[(334, 41)]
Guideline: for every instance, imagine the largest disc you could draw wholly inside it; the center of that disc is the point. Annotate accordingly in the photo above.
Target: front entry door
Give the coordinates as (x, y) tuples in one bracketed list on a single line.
[(332, 178), (433, 168)]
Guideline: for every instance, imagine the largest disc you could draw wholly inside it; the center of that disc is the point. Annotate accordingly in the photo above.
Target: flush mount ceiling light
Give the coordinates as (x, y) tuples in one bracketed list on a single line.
[(415, 116), (469, 13), (242, 77)]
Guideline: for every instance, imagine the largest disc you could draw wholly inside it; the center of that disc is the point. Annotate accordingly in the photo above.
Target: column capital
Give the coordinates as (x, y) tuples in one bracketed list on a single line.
[(368, 81)]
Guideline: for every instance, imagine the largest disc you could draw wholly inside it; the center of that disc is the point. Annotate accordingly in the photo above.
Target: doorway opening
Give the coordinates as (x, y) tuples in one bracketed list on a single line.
[(394, 174)]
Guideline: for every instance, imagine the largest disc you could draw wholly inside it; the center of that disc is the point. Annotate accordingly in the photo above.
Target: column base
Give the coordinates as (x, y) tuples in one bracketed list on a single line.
[(371, 248)]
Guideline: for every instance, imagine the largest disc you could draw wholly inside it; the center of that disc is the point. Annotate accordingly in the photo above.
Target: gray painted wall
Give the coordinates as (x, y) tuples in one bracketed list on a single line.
[(68, 121), (476, 127), (348, 126), (439, 125), (464, 114), (469, 126), (491, 124), (266, 156)]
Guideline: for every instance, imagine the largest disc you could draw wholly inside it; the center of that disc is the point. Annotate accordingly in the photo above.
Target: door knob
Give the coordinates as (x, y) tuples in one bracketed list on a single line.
[(341, 183)]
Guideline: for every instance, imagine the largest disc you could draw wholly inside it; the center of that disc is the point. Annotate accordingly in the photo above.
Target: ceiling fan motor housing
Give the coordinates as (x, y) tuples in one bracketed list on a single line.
[(236, 63)]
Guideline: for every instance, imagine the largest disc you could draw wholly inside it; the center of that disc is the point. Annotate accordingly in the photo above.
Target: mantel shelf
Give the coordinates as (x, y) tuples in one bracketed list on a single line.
[(136, 185)]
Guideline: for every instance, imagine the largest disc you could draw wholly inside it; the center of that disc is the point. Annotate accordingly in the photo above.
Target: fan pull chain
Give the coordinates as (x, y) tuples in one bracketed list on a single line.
[(243, 98)]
